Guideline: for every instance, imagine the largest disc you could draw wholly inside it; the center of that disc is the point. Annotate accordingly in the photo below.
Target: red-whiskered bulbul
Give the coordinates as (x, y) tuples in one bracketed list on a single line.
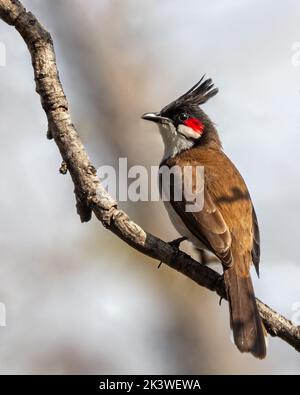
[(227, 224)]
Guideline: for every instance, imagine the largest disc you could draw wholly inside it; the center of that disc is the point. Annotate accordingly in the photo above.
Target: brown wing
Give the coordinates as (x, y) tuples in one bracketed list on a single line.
[(227, 225), (256, 242), (207, 225)]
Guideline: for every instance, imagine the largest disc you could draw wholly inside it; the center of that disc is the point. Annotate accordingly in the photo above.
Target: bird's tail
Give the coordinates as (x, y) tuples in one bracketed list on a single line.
[(247, 326)]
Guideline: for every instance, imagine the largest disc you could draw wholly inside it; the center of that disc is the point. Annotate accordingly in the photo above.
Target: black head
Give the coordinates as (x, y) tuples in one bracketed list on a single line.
[(199, 94), (185, 122)]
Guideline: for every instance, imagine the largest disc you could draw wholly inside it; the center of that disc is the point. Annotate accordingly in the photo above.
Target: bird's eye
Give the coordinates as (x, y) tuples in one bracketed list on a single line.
[(183, 116)]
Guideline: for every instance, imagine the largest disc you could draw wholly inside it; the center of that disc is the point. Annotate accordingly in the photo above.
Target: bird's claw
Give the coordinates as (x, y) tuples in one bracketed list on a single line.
[(219, 280), (177, 242), (174, 243)]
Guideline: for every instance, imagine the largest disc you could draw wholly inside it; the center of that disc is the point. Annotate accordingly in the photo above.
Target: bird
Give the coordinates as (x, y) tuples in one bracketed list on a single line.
[(226, 225)]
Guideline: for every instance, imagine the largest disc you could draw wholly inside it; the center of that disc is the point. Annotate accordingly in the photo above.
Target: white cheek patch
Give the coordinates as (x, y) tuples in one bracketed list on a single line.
[(188, 132), (174, 142)]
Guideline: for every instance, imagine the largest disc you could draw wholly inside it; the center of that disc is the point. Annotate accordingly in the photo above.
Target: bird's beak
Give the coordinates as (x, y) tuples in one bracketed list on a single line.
[(155, 117)]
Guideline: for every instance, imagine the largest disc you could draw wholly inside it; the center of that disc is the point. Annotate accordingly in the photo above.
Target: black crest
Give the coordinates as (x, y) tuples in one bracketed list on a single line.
[(197, 95)]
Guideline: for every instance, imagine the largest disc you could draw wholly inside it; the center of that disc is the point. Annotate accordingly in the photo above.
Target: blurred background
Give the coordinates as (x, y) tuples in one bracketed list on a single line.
[(79, 300)]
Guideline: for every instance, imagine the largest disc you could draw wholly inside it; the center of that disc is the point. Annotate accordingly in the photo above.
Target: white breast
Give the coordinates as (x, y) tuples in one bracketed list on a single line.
[(175, 143)]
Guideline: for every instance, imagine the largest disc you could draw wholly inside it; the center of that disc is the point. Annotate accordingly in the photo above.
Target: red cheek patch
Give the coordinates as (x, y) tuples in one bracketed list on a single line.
[(195, 124)]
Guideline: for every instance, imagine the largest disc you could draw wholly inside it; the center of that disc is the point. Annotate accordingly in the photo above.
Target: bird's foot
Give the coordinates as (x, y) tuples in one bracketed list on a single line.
[(174, 243), (219, 280)]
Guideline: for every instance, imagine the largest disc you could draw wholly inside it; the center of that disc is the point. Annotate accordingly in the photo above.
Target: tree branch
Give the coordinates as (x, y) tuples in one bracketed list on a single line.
[(91, 197)]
